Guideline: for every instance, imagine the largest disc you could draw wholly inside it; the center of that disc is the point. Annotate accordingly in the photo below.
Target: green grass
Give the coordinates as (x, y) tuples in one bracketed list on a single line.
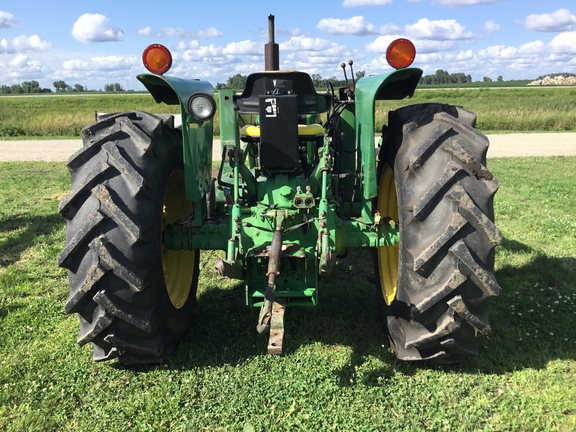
[(337, 372), (65, 116), (518, 109), (475, 84)]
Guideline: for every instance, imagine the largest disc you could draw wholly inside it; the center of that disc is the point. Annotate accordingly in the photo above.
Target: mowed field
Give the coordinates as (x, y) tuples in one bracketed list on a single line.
[(526, 109), (337, 372)]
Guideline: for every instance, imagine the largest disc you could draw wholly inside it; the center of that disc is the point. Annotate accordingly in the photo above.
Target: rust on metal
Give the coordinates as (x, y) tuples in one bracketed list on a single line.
[(276, 327), (273, 271), (274, 257), (271, 49), (292, 250)]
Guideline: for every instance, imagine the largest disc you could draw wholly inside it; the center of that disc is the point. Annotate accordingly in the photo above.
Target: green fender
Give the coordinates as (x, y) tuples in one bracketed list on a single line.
[(196, 135), (395, 85)]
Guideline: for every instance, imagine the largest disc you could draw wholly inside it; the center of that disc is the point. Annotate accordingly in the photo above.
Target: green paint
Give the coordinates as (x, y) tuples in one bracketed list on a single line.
[(196, 135), (322, 212)]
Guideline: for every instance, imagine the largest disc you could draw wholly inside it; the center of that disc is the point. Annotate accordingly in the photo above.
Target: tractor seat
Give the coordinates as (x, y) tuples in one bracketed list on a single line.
[(250, 133), (281, 83)]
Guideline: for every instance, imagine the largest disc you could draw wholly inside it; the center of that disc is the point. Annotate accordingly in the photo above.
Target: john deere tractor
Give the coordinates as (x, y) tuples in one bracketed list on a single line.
[(300, 181)]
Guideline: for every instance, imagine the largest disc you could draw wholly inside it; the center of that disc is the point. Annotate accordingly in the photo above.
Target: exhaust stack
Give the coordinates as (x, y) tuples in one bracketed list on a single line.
[(271, 50)]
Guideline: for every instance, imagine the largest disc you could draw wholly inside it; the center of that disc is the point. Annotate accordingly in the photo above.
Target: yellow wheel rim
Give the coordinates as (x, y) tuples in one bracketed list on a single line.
[(178, 265), (388, 255)]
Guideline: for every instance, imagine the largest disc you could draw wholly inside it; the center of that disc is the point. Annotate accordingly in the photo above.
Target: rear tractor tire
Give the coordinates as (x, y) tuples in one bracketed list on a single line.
[(133, 298), (434, 287)]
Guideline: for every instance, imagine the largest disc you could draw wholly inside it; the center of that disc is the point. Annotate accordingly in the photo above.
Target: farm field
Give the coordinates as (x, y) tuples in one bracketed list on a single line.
[(338, 372), (502, 110)]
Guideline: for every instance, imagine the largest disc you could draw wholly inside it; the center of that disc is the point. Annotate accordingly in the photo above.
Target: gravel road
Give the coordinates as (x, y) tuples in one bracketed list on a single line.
[(506, 145)]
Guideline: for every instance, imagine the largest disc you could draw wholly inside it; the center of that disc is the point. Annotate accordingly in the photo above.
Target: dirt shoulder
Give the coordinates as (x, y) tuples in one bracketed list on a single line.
[(534, 144), (508, 145)]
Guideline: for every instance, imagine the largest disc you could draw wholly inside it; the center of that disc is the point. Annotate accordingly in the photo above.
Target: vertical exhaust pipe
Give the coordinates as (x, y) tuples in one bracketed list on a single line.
[(271, 50)]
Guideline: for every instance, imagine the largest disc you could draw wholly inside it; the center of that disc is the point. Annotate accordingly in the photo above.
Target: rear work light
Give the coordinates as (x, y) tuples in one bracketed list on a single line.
[(157, 59), (400, 53), (202, 106)]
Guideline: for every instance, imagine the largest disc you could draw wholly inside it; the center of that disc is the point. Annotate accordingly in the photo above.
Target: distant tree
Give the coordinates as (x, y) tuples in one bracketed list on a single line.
[(79, 88), (60, 86), (220, 86), (444, 77), (236, 82), (16, 88), (317, 80), (500, 79), (360, 74), (5, 89), (487, 79), (113, 87), (31, 87)]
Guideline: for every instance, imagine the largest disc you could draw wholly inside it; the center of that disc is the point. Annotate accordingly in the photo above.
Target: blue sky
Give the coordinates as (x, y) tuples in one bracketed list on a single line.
[(99, 42)]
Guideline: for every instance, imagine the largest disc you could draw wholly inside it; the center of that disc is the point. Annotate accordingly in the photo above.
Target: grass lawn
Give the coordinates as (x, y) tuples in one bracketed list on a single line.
[(337, 373)]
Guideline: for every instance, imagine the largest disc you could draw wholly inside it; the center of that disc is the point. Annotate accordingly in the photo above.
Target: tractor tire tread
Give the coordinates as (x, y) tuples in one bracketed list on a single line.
[(447, 233), (112, 251)]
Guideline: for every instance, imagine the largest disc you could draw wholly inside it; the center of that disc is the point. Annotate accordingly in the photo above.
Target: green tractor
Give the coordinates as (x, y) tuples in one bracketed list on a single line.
[(301, 180)]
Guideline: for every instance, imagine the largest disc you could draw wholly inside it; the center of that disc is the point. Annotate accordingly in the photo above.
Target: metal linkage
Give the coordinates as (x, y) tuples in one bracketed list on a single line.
[(273, 271)]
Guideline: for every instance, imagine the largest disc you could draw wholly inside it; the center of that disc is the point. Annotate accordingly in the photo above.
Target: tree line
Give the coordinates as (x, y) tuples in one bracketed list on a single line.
[(238, 81), (444, 77), (555, 75), (59, 86)]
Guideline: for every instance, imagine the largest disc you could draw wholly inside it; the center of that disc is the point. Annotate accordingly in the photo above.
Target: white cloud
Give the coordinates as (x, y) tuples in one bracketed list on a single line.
[(101, 63), (356, 3), (23, 44), (146, 31), (439, 30), (498, 52), (204, 52), (355, 26), (23, 68), (536, 47), (192, 51), (207, 33), (246, 47), (564, 43), (192, 45), (526, 61), (464, 3), (423, 46), (465, 55), (94, 28), (490, 27), (314, 55), (283, 32), (428, 36), (304, 43), (7, 20), (558, 21), (19, 61)]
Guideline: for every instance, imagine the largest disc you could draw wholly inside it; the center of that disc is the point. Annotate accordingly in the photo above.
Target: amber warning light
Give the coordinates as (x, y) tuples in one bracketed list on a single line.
[(400, 53), (157, 59)]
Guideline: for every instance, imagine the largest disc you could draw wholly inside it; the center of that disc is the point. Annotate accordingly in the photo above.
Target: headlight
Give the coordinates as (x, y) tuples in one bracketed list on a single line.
[(202, 106)]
